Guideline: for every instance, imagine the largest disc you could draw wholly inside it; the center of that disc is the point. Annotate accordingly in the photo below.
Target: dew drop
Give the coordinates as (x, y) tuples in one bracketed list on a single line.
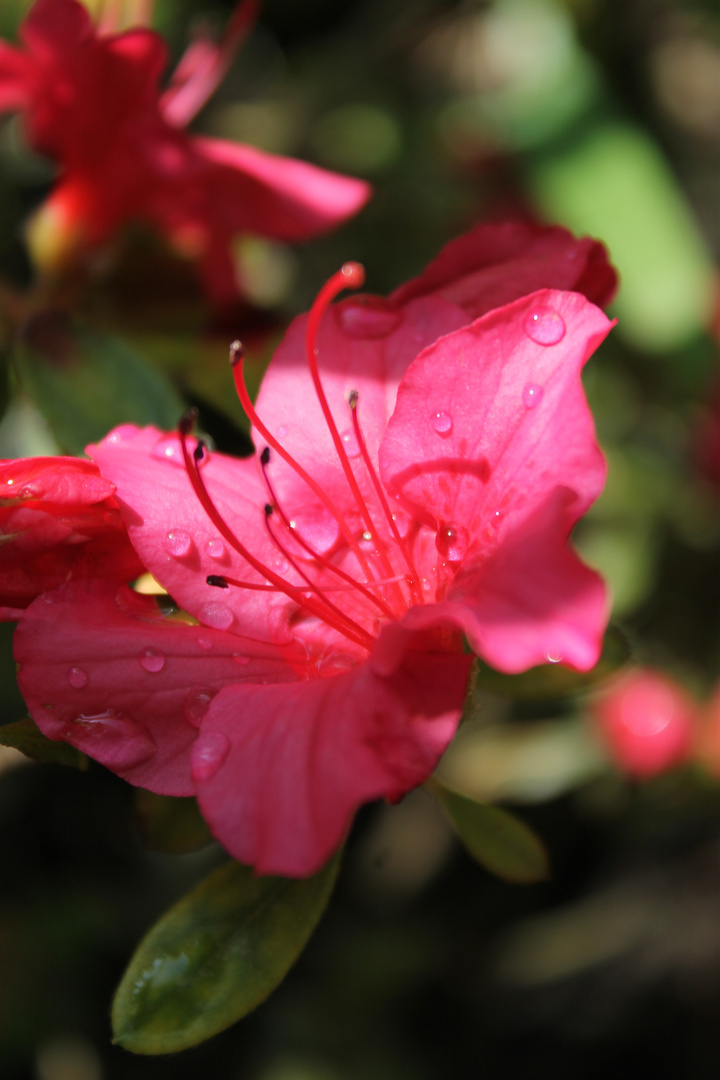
[(532, 395), (168, 449), (350, 443), (281, 565), (240, 659), (216, 614), (205, 643), (125, 741), (208, 754), (367, 542), (77, 677), (452, 541), (197, 704), (152, 660), (553, 657), (178, 543), (441, 423), (317, 527), (369, 317), (215, 549), (282, 431), (545, 327)]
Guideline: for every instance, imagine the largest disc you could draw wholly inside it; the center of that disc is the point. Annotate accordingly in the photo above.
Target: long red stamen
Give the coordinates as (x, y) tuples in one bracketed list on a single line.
[(326, 563), (350, 276), (308, 605), (311, 584), (237, 361), (414, 583)]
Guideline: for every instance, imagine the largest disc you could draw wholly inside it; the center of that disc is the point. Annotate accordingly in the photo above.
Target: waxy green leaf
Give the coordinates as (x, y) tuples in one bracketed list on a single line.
[(215, 956), (500, 842), (85, 383), (26, 736)]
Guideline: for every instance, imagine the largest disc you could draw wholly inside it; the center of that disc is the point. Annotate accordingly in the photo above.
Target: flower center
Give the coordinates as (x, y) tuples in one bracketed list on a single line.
[(383, 593)]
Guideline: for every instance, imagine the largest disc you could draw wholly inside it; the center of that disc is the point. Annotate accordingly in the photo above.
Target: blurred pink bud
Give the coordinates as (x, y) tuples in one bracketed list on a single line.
[(646, 721)]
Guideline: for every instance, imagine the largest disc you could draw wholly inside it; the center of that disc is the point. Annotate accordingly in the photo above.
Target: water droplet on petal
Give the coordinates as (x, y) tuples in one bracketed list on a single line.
[(241, 660), (532, 395), (208, 754), (369, 317), (545, 327), (282, 431), (205, 643), (350, 443), (197, 704), (553, 657), (178, 543), (442, 423), (168, 449), (281, 565), (77, 677), (152, 660), (367, 542), (50, 598), (317, 527), (125, 741), (452, 542), (216, 614), (215, 549)]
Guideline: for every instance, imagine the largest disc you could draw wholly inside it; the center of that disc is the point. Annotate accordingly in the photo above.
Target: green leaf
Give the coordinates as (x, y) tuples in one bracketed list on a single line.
[(26, 736), (555, 680), (500, 842), (84, 383), (170, 824), (215, 956)]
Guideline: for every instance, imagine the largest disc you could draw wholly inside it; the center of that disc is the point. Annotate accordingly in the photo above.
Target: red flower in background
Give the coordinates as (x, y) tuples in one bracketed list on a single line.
[(91, 102), (419, 473), (647, 722), (59, 521)]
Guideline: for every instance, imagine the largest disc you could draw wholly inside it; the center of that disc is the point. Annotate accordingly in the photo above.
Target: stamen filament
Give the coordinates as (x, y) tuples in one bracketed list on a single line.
[(327, 564), (311, 584), (414, 585), (350, 276), (308, 605), (237, 362)]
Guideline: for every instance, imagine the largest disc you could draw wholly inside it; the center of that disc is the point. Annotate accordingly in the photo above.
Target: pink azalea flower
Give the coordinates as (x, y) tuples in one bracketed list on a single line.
[(91, 101), (59, 520), (647, 722), (419, 472)]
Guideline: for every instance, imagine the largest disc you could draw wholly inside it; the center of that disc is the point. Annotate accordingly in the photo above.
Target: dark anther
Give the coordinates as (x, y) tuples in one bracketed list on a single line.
[(265, 456), (187, 421), (268, 509), (236, 352), (353, 398), (217, 581), (199, 451)]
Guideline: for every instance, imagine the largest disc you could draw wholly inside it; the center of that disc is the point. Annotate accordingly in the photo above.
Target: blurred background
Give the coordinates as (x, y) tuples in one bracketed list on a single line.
[(599, 115)]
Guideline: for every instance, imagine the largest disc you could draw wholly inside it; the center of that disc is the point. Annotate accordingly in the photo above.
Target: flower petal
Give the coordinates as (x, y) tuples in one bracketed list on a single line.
[(280, 770), (178, 542), (106, 672), (497, 263)]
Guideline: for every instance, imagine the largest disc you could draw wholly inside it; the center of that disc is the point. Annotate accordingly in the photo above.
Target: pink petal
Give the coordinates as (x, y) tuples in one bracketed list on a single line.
[(54, 26), (497, 263), (518, 467), (16, 71), (278, 197), (281, 770), (107, 673), (66, 480), (365, 344), (176, 540)]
